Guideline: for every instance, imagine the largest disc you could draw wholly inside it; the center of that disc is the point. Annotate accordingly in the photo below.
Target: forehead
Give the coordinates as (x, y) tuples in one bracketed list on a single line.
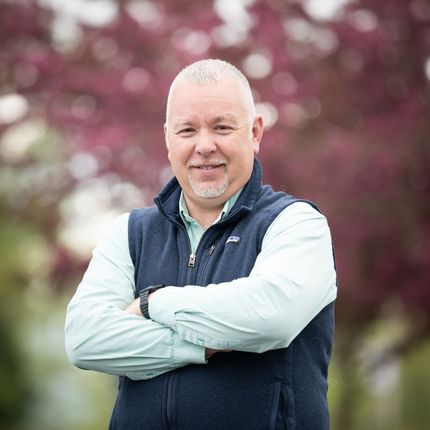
[(222, 99)]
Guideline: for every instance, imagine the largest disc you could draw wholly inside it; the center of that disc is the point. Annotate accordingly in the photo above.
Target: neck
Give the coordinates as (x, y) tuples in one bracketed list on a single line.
[(205, 216)]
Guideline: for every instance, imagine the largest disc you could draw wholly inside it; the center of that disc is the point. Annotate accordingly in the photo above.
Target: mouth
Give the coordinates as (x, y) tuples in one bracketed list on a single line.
[(207, 166)]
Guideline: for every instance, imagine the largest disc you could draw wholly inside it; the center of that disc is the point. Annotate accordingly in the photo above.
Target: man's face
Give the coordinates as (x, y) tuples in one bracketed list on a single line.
[(211, 139)]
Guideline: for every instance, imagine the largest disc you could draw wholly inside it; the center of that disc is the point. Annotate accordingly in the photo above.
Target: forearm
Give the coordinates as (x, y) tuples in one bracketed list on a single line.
[(236, 315), (101, 336), (292, 281), (106, 339), (134, 308)]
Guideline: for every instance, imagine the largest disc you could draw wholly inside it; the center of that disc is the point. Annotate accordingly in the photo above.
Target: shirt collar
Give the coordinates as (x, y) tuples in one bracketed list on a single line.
[(188, 219)]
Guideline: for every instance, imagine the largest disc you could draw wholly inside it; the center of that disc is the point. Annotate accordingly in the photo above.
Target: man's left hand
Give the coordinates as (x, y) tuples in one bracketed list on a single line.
[(134, 308)]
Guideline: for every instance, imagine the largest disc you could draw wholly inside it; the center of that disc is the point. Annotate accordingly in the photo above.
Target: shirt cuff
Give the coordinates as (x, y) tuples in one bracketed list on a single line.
[(188, 353), (165, 303), (173, 307)]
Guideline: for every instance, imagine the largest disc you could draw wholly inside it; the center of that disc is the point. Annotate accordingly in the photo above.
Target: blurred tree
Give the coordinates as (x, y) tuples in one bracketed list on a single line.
[(14, 390), (345, 97)]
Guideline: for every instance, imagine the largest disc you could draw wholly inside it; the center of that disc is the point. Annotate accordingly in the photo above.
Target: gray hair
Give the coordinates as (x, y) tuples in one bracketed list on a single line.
[(212, 71)]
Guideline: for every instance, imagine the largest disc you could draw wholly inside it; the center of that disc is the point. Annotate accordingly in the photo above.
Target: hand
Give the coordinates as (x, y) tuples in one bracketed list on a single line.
[(134, 308), (210, 352)]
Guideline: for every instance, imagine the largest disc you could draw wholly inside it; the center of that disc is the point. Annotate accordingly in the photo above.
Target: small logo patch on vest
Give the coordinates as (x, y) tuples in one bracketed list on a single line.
[(233, 239)]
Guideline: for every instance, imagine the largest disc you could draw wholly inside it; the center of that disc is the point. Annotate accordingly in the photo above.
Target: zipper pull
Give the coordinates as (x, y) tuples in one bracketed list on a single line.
[(211, 249), (192, 260)]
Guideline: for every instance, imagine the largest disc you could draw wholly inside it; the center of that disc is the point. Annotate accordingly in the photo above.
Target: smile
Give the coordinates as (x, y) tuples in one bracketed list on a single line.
[(208, 167)]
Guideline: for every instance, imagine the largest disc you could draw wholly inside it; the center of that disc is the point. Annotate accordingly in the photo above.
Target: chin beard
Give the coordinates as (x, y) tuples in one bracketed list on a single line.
[(208, 191)]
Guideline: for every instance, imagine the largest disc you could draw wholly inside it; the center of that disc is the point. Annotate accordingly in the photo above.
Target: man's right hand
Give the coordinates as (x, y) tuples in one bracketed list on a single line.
[(210, 352)]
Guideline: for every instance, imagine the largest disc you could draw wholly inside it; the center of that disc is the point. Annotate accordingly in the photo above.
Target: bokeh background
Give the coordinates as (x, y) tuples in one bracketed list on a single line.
[(344, 87)]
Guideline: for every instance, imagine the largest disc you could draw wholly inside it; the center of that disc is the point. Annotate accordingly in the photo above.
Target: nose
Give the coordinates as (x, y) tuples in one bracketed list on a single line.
[(205, 143)]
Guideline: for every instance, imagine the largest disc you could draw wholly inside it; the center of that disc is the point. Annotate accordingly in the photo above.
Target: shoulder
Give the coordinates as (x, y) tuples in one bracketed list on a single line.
[(302, 209), (119, 225), (277, 201), (115, 235), (300, 215), (140, 216)]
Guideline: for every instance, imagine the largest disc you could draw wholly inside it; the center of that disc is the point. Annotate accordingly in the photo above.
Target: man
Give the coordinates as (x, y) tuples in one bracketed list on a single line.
[(215, 306)]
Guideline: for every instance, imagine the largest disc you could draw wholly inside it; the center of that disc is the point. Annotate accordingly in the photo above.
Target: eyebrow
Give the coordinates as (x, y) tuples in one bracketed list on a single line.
[(224, 117), (183, 123), (189, 123)]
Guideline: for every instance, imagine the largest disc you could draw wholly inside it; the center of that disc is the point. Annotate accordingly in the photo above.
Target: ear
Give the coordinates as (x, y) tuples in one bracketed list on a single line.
[(165, 135), (257, 133), (166, 140)]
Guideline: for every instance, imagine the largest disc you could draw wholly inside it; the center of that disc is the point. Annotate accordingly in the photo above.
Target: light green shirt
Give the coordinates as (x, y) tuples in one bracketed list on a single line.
[(263, 311), (194, 229)]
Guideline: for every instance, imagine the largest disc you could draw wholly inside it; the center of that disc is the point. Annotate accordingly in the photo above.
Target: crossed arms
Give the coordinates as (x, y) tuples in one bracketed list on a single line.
[(292, 280)]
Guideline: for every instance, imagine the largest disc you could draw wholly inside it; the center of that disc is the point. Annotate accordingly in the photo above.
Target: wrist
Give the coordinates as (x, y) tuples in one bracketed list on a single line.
[(144, 298)]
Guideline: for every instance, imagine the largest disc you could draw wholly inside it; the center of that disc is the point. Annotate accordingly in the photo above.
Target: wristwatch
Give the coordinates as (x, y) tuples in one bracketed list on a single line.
[(144, 298)]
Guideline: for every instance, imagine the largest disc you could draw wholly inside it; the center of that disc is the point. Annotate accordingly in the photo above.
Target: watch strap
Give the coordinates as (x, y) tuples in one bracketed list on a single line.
[(144, 304)]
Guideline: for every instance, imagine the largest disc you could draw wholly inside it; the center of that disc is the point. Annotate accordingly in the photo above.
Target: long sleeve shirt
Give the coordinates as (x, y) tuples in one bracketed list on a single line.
[(294, 274)]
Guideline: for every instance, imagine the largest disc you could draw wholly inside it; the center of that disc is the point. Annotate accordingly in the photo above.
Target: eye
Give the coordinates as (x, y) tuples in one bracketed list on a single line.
[(223, 128), (185, 132)]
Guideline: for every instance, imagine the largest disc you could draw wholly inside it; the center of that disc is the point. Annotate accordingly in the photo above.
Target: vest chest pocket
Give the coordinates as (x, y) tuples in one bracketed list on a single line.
[(278, 416), (227, 261)]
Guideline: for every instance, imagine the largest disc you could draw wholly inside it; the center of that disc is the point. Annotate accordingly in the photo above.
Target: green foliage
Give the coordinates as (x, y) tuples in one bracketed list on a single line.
[(14, 389), (413, 405), (64, 397)]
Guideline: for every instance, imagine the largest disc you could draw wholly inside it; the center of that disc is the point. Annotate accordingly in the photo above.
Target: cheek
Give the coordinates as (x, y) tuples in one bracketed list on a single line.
[(242, 160), (178, 155)]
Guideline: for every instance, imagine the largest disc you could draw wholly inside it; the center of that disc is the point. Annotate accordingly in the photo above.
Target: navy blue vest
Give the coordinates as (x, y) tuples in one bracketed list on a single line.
[(278, 389)]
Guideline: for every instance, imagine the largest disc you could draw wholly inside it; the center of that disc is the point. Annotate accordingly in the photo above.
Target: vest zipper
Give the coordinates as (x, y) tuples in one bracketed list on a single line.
[(192, 260), (190, 267), (169, 405), (193, 256), (284, 403), (203, 264)]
